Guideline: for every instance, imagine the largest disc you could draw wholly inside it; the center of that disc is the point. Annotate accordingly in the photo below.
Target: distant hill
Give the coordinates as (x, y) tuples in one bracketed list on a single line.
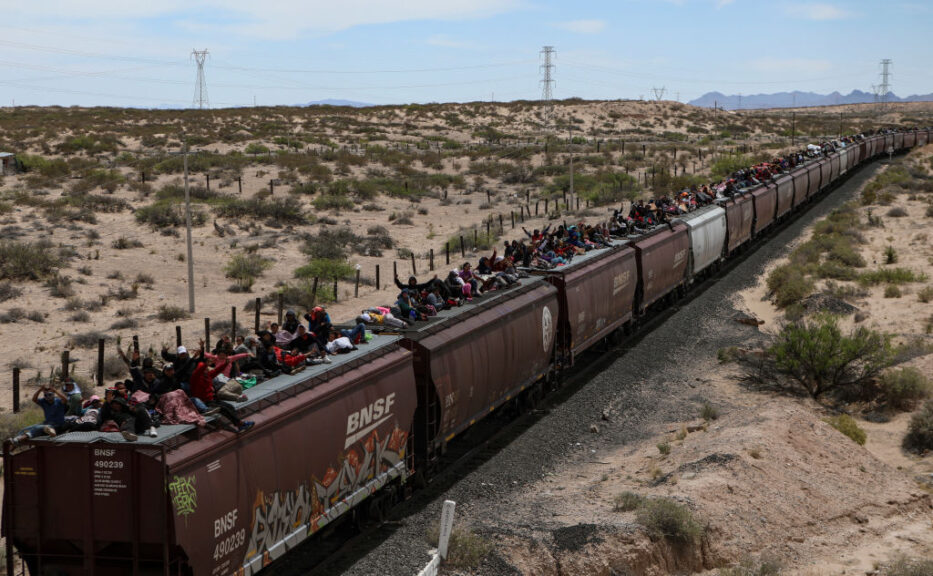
[(333, 102), (798, 99)]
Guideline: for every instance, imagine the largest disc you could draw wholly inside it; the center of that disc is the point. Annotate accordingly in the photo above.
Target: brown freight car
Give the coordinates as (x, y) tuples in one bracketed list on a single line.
[(662, 263), (596, 292), (765, 197), (826, 173), (814, 172), (325, 440), (471, 360), (740, 214), (785, 194)]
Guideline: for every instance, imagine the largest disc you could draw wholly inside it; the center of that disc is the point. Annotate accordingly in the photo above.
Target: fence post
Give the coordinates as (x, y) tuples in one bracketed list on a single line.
[(271, 187), (208, 182), (475, 238), (431, 257), (281, 307), (135, 342), (378, 287), (314, 292), (512, 214), (15, 389), (335, 289), (501, 229), (100, 361), (447, 524), (177, 335), (65, 365), (394, 269), (239, 183), (414, 270), (233, 324), (258, 310), (356, 288), (207, 334), (546, 202), (447, 252), (462, 247)]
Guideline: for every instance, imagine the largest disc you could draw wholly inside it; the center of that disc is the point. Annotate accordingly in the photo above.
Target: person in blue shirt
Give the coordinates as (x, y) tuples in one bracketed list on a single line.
[(54, 404)]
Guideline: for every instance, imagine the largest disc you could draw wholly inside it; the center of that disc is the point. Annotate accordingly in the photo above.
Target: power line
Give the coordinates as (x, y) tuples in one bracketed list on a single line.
[(200, 88), (547, 83)]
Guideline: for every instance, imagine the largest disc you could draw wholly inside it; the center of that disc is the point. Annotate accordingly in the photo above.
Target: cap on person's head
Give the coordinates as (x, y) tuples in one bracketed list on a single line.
[(290, 313), (182, 350), (168, 366)]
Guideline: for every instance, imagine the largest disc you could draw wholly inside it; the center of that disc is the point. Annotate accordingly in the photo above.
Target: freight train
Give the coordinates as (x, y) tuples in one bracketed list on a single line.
[(350, 438)]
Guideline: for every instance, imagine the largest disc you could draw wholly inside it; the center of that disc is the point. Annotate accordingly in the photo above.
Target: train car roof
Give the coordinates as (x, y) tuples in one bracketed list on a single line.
[(259, 396)]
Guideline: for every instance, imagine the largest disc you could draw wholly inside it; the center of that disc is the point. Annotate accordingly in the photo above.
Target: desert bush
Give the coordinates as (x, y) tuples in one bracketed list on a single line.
[(80, 316), (789, 284), (897, 212), (168, 313), (848, 426), (919, 436), (326, 270), (709, 412), (925, 294), (892, 291), (890, 255), (726, 165), (280, 210), (904, 566), (60, 286), (929, 211), (124, 293), (664, 448), (904, 388), (667, 519), (27, 260), (161, 215), (144, 278), (246, 268), (86, 339), (8, 291), (890, 276), (124, 243), (124, 324), (818, 356), (726, 355), (12, 316), (333, 202), (114, 367), (482, 241), (627, 501), (465, 549)]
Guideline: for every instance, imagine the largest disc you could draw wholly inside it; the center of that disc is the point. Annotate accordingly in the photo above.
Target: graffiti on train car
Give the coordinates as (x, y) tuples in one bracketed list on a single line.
[(278, 514)]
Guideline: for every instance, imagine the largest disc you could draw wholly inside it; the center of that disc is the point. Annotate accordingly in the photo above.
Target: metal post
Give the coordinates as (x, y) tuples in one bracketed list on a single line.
[(188, 236), (512, 214), (281, 307), (15, 389), (65, 365), (207, 333), (378, 286), (335, 289), (394, 269), (177, 335), (271, 187), (447, 253), (462, 247), (258, 310), (476, 238), (136, 343), (314, 292), (239, 183), (431, 259), (356, 287), (414, 270), (100, 361), (233, 324)]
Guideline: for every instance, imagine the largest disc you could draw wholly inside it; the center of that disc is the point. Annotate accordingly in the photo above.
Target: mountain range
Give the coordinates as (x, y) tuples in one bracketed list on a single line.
[(796, 99)]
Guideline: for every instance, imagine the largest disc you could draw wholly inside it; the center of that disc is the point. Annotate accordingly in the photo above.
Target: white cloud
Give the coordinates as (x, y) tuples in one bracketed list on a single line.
[(818, 12), (446, 41), (273, 19), (799, 66), (722, 3), (583, 26)]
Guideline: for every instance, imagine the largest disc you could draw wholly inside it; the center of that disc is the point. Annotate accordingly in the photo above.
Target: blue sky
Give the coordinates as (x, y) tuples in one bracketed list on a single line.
[(135, 53)]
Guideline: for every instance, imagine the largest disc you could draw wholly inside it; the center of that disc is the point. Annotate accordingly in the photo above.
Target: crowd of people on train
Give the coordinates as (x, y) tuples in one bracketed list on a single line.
[(182, 386)]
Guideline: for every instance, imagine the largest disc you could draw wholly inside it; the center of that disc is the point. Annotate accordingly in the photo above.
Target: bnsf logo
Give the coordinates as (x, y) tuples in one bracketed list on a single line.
[(363, 421)]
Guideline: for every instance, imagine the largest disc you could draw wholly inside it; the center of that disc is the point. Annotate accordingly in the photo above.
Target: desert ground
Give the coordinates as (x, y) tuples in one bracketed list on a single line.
[(94, 247)]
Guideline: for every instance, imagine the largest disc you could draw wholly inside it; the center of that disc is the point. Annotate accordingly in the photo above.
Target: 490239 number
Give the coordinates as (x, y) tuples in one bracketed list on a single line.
[(229, 544), (109, 464)]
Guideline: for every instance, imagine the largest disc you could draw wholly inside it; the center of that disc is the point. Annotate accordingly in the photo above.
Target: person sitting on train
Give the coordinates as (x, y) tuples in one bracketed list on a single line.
[(183, 363), (202, 395), (337, 344), (53, 404), (319, 324), (466, 274), (89, 420), (456, 285), (291, 322), (422, 287), (74, 397), (130, 421)]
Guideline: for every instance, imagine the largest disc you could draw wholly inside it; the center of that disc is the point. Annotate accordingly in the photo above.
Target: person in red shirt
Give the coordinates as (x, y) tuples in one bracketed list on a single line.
[(202, 394)]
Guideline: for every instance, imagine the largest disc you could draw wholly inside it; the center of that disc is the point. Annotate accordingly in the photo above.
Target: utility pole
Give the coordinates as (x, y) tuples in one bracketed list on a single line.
[(793, 130), (547, 83), (659, 93), (200, 87), (571, 162), (188, 234), (886, 64)]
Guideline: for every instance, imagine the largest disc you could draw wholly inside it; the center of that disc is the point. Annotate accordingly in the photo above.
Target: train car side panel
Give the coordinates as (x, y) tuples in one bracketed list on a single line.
[(240, 502), (814, 172), (662, 263), (707, 233), (765, 206), (921, 138), (910, 139), (476, 364), (792, 190), (826, 173), (740, 214), (898, 141), (598, 298)]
